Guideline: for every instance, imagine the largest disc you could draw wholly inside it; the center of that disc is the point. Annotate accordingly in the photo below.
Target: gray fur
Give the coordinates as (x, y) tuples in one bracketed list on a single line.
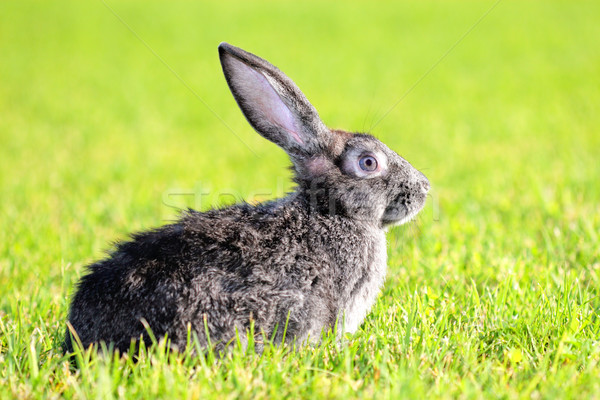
[(307, 260)]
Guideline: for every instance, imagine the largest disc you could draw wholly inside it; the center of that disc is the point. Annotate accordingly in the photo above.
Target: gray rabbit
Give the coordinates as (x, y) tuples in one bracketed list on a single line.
[(297, 265)]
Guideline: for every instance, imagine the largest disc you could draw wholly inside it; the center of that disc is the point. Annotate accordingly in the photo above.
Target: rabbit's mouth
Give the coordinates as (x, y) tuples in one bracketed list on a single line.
[(401, 210), (396, 214)]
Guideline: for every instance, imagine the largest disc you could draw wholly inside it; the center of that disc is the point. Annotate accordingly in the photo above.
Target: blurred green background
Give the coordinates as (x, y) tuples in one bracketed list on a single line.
[(100, 138)]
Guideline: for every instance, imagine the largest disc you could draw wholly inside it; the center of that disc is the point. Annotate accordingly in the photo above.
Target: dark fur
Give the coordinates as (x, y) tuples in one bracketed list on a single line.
[(305, 260)]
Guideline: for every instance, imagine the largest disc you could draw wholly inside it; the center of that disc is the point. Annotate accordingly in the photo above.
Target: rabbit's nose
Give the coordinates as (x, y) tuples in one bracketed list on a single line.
[(424, 184), (422, 181)]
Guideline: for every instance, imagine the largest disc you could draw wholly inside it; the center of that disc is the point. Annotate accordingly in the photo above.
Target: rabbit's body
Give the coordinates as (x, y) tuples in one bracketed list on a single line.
[(298, 264), (260, 264)]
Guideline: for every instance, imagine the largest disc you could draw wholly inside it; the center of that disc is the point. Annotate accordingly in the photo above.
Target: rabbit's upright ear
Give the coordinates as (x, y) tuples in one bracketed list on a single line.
[(272, 103)]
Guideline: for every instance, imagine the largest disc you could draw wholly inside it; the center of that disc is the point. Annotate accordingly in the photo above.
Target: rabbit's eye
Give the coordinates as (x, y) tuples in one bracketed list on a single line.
[(364, 164), (368, 163)]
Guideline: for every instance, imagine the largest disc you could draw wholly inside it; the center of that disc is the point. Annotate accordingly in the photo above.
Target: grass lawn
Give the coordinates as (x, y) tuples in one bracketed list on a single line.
[(493, 292)]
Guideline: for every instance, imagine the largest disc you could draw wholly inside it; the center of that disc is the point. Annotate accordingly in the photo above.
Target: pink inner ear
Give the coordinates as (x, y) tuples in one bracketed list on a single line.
[(263, 98)]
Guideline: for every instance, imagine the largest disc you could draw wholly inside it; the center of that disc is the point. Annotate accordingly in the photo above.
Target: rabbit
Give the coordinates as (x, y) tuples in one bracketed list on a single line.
[(291, 268)]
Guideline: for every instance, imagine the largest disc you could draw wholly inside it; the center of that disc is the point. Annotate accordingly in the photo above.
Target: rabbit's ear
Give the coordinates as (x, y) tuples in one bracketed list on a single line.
[(272, 103)]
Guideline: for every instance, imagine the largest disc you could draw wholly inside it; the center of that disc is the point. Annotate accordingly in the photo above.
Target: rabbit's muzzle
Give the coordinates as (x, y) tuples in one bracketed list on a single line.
[(406, 204)]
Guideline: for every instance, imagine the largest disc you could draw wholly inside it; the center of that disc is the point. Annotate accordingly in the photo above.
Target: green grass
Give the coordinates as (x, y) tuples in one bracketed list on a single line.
[(492, 292)]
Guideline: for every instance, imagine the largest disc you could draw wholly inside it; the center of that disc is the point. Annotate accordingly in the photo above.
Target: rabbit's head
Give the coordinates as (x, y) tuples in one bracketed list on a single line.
[(338, 172)]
